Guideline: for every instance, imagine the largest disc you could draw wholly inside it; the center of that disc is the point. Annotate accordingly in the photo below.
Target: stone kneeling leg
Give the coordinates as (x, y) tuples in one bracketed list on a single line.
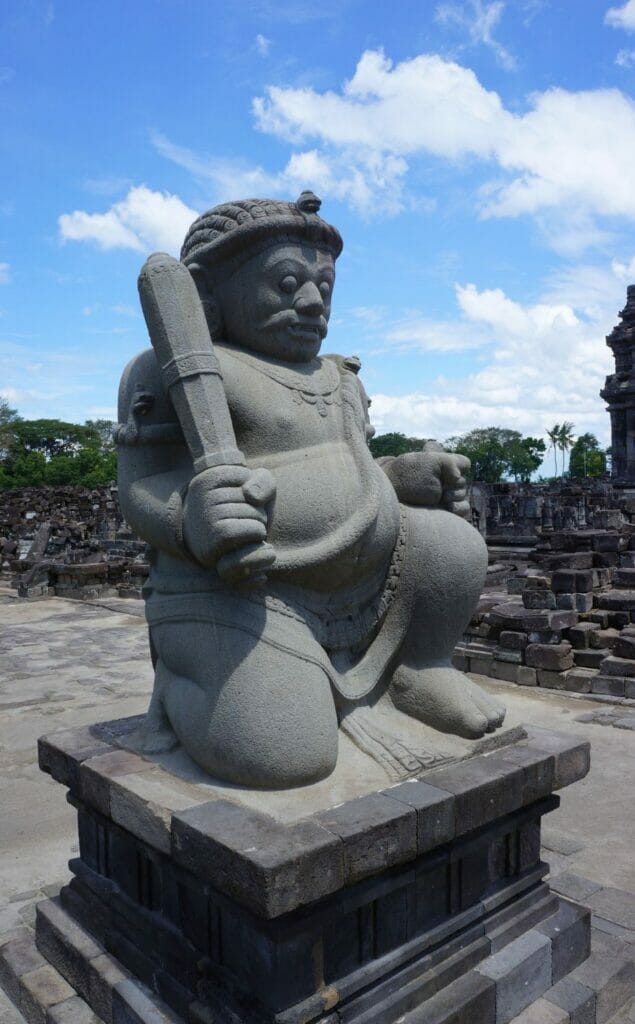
[(246, 709), (452, 559)]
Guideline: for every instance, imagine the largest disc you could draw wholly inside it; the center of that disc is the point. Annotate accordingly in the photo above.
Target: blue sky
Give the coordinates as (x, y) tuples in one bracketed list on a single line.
[(477, 157)]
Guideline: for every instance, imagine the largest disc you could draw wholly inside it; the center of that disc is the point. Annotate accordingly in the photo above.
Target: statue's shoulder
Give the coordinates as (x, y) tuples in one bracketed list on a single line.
[(142, 396), (345, 364)]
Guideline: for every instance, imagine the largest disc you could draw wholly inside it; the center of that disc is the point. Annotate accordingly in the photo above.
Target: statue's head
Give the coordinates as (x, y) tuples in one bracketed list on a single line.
[(265, 271)]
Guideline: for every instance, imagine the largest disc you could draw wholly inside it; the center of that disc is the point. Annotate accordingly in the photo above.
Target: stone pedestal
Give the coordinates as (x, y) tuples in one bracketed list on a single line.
[(422, 902)]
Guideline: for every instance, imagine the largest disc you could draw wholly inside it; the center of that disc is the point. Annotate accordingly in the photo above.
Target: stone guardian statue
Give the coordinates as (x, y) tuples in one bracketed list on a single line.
[(294, 579)]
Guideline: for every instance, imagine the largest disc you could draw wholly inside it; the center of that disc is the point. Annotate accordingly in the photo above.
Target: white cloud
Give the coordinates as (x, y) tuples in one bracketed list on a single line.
[(479, 21), (556, 162), (625, 58), (542, 362), (144, 220), (382, 106), (263, 45), (622, 17), (5, 273), (358, 182)]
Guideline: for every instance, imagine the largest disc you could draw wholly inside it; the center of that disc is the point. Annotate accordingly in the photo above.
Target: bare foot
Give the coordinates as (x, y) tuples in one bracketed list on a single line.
[(445, 699)]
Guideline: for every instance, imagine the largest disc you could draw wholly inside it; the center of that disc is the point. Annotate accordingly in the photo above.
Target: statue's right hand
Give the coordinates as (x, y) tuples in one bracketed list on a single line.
[(226, 508)]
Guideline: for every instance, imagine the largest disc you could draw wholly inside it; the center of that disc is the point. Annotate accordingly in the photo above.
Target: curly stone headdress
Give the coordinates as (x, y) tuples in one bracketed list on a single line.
[(236, 231)]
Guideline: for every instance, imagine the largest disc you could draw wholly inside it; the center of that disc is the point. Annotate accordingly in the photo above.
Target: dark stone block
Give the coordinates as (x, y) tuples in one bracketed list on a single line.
[(512, 640), (377, 832), (61, 753), (617, 600), (570, 581), (131, 1005), (95, 774), (516, 618), (538, 770), (625, 645), (572, 756), (269, 867), (504, 670), (619, 619), (554, 657), (576, 999), (551, 679), (578, 635), (511, 657), (577, 560), (569, 931), (433, 882), (614, 666), (65, 945), (468, 1000), (521, 971), (591, 658), (435, 812), (614, 686), (528, 845), (579, 680), (484, 788), (538, 598)]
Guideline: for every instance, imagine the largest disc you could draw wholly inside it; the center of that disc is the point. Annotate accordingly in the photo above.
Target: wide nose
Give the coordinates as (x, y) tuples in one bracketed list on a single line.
[(308, 300)]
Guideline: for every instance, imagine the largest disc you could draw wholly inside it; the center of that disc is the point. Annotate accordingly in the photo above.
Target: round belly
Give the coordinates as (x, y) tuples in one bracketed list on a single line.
[(333, 522)]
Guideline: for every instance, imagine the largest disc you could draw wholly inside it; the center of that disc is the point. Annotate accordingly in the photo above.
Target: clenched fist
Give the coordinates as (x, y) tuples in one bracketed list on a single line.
[(432, 478), (225, 517)]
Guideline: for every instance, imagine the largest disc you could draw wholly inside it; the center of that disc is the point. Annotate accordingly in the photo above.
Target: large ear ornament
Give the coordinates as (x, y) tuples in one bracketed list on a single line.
[(210, 306)]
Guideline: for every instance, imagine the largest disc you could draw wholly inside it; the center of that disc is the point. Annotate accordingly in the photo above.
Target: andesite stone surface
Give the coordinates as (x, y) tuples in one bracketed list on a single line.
[(290, 571)]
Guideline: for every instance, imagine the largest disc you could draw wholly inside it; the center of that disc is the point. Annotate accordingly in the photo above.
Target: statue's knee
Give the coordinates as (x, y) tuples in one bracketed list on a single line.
[(266, 719), (451, 547)]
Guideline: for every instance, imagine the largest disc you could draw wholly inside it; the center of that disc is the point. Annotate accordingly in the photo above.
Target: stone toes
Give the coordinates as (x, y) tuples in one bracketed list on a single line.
[(473, 724)]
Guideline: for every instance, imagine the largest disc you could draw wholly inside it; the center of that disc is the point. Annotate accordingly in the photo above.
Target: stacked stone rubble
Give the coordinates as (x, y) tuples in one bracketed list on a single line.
[(70, 542), (566, 622), (508, 513)]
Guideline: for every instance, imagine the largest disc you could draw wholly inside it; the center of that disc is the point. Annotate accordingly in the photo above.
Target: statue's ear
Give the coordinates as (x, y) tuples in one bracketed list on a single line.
[(208, 300), (200, 279)]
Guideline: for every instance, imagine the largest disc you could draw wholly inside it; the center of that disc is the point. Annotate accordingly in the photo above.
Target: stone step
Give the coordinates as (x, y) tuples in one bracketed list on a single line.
[(600, 991), (36, 989)]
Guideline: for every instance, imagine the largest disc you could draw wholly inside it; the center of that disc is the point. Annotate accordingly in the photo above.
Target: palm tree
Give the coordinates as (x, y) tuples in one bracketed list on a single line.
[(566, 437), (554, 439)]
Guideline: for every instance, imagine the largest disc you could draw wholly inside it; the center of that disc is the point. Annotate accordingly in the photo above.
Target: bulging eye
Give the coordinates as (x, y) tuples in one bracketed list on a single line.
[(325, 289), (288, 284)]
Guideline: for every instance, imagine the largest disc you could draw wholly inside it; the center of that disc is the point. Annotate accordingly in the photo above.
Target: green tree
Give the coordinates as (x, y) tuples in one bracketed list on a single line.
[(394, 444), (524, 456), (54, 437), (587, 458), (497, 452), (565, 440), (8, 420), (104, 429), (54, 452), (554, 435)]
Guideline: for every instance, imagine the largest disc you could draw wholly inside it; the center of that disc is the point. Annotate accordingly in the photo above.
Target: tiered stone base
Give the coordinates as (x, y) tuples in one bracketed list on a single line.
[(421, 903)]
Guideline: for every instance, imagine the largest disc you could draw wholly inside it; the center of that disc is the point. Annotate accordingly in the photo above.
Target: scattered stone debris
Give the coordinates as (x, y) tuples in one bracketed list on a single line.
[(566, 619), (69, 542)]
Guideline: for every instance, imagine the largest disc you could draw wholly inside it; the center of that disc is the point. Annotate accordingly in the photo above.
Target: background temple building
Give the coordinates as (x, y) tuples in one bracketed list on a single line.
[(619, 393)]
